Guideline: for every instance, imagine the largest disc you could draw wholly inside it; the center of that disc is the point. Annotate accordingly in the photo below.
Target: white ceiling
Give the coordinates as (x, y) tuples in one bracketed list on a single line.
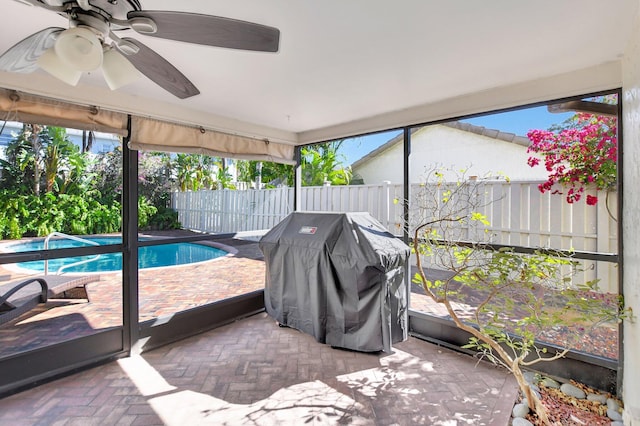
[(344, 61)]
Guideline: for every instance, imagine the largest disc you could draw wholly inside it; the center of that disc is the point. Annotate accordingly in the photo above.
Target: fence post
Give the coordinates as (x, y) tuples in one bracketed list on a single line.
[(201, 203), (385, 203), (189, 209), (606, 273)]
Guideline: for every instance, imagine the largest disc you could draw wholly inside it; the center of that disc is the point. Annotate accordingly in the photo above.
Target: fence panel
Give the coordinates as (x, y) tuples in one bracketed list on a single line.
[(518, 213), (227, 211)]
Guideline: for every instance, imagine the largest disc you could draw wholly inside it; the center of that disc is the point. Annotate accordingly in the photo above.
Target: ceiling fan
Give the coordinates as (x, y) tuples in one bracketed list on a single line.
[(91, 42)]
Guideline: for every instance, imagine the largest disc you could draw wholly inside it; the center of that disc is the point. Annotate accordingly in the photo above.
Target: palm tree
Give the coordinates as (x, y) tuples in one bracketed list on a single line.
[(64, 164), (40, 156), (195, 171), (36, 147), (322, 163), (270, 173)]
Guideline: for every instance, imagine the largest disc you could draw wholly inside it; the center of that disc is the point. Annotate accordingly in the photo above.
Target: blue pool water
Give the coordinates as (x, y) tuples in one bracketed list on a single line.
[(148, 257)]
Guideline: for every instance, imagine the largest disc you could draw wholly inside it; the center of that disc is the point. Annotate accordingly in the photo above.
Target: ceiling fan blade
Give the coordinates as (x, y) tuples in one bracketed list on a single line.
[(23, 56), (206, 29), (159, 70), (53, 6)]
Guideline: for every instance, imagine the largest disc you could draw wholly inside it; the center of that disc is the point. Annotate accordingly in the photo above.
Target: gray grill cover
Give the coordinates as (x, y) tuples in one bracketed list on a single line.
[(338, 277)]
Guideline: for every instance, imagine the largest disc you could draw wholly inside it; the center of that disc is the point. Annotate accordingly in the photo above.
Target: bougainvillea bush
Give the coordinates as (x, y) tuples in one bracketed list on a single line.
[(578, 157)]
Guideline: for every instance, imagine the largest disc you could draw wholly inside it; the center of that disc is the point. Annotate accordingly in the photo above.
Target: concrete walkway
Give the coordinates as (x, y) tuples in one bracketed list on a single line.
[(253, 372)]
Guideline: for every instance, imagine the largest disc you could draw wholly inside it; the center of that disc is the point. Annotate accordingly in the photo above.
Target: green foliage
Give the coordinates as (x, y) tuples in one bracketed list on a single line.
[(195, 171), (154, 177), (154, 185), (145, 212), (223, 178), (270, 174), (23, 167), (165, 218), (43, 159), (106, 171), (31, 216), (47, 185), (320, 163), (63, 164)]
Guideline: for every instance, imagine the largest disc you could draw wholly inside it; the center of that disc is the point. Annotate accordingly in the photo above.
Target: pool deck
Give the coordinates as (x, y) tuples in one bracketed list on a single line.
[(162, 292)]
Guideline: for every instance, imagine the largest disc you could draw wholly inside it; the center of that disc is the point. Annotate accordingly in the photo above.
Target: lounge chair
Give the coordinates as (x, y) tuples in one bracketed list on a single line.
[(27, 294), (60, 284), (24, 296)]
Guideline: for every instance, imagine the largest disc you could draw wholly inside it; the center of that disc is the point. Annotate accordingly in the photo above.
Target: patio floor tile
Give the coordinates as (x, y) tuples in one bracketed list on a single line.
[(273, 376)]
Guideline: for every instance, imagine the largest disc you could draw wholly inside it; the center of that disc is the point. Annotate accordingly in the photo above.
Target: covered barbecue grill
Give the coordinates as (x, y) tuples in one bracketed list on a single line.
[(338, 277)]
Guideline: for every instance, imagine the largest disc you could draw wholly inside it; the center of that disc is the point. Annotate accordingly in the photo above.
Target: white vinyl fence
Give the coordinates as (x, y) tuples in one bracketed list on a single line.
[(518, 213), (222, 211)]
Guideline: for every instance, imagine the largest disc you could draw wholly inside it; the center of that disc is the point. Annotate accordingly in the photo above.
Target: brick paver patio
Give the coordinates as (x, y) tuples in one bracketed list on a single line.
[(162, 292), (253, 372), (250, 372)]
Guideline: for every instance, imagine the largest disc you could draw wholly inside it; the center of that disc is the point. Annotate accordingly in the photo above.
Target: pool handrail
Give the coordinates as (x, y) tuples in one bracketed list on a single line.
[(70, 237)]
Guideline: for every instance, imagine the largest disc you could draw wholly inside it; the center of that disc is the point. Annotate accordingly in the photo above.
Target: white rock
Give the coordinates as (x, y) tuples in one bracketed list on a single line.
[(520, 410), (530, 377), (573, 391), (613, 404), (519, 421), (619, 423), (614, 415), (550, 383), (602, 399)]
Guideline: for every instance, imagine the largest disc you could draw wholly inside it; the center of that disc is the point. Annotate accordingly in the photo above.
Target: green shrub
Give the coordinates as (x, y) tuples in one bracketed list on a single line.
[(145, 211), (14, 232), (38, 216), (165, 218), (104, 219)]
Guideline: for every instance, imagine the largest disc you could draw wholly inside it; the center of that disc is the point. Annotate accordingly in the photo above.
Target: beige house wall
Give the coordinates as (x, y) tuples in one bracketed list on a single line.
[(455, 149)]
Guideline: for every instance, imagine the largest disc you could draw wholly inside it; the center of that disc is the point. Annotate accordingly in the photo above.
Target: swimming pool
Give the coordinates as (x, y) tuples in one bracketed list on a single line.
[(148, 257)]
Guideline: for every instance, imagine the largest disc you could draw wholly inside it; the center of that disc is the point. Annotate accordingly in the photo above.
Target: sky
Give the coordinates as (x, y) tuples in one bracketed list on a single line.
[(518, 122), (521, 121)]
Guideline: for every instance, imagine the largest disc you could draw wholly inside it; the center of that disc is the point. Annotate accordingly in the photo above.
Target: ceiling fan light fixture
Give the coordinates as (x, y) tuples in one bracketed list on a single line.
[(117, 70), (80, 48), (51, 63)]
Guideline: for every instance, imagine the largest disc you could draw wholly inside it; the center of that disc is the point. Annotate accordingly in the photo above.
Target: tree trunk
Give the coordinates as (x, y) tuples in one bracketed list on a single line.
[(258, 175), (35, 145), (532, 399)]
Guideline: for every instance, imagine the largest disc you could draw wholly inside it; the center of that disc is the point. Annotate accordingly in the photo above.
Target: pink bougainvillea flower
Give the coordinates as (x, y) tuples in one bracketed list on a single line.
[(584, 154)]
